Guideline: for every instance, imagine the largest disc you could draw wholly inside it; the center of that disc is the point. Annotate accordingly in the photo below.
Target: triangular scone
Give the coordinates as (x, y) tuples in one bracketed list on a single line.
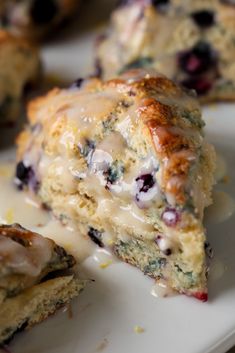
[(34, 279), (127, 161), (191, 42)]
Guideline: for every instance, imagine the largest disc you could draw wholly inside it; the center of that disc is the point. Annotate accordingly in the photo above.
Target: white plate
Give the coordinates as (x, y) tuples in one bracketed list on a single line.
[(105, 314)]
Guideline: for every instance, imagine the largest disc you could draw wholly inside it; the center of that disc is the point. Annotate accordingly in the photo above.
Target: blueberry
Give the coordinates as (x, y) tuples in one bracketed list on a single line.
[(25, 176), (23, 173), (170, 217), (197, 60), (203, 18), (78, 83), (145, 182), (96, 236), (161, 5), (200, 85), (167, 252), (43, 11), (146, 190)]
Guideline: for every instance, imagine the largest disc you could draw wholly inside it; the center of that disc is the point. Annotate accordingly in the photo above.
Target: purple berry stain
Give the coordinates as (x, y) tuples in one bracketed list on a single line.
[(170, 217), (25, 176), (197, 60), (201, 84), (145, 182)]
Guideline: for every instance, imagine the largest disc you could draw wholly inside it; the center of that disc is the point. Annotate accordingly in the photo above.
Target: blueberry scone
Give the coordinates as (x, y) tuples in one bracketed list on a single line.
[(19, 66), (35, 279), (191, 42), (126, 160), (35, 18)]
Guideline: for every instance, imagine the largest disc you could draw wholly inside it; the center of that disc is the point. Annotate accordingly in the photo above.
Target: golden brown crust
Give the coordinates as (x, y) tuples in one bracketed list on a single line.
[(161, 123)]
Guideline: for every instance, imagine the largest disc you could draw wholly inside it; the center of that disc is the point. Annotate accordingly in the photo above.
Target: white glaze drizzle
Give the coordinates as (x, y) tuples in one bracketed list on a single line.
[(20, 207), (25, 260), (161, 290), (103, 257)]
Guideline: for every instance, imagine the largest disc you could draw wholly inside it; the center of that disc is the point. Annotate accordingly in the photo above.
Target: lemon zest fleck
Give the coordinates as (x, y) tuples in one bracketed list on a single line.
[(9, 216), (138, 329), (105, 264)]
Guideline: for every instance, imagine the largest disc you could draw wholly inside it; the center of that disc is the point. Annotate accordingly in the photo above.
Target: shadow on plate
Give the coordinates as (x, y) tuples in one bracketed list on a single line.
[(10, 131), (221, 235)]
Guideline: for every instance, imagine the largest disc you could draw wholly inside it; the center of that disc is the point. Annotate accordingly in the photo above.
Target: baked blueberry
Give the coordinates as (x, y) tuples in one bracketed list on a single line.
[(167, 252), (203, 18), (145, 182), (25, 176), (170, 217), (23, 173), (78, 83), (43, 11), (201, 85), (198, 59), (96, 236)]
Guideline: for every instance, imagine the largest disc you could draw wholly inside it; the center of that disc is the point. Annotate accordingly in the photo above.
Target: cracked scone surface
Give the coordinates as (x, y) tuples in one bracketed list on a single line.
[(19, 66), (35, 19), (34, 279), (126, 160), (191, 42)]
